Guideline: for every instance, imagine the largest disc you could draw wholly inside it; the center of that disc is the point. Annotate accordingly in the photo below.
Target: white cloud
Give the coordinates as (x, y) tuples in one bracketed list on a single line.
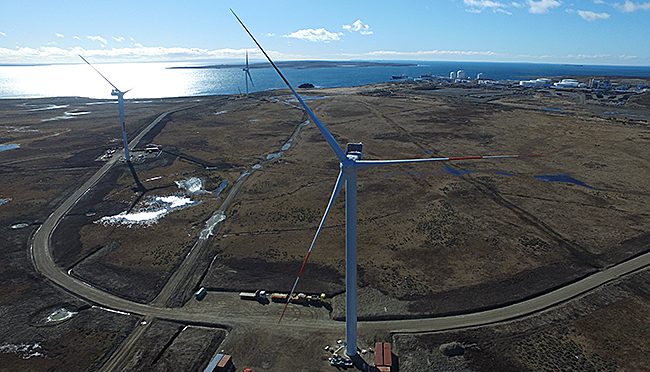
[(590, 16), (542, 6), (631, 6), (138, 45), (599, 2), (358, 26), (97, 38), (319, 34), (57, 54), (59, 35), (3, 33), (76, 37), (119, 39), (478, 6), (270, 34)]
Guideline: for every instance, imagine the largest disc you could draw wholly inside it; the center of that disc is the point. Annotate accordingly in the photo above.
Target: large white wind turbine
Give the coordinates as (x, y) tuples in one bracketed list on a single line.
[(247, 74), (120, 104), (349, 162)]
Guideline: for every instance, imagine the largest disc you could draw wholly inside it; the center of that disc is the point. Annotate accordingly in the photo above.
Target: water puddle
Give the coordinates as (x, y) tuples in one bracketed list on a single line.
[(456, 171), (219, 190), (274, 155), (257, 166), (562, 177), (25, 351), (243, 175), (60, 315), (504, 174), (193, 185), (9, 146), (155, 208)]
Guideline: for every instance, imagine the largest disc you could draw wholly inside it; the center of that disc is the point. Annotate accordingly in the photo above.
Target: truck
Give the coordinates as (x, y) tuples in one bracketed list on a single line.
[(279, 297), (253, 296), (200, 294)]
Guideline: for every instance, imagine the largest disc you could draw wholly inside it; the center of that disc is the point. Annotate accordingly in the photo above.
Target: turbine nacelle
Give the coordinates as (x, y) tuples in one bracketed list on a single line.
[(354, 151)]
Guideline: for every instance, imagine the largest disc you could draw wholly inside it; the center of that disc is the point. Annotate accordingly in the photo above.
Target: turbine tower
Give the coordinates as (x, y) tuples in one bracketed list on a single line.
[(247, 74), (349, 162), (120, 103)]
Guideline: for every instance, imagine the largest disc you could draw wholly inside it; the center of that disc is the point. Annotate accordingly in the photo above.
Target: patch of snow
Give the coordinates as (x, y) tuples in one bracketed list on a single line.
[(192, 185), (19, 226), (25, 351), (257, 166), (4, 201), (77, 113), (49, 107), (220, 112), (100, 103), (9, 128), (211, 224), (111, 310), (67, 115), (155, 208), (60, 315), (153, 178)]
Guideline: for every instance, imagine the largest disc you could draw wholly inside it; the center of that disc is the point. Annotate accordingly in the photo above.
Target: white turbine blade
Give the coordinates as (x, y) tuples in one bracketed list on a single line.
[(370, 163), (338, 151), (100, 74), (248, 73), (335, 192), (247, 60)]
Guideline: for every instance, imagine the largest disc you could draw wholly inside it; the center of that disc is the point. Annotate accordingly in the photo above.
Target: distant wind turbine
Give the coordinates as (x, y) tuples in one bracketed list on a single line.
[(247, 74), (120, 103), (349, 162)]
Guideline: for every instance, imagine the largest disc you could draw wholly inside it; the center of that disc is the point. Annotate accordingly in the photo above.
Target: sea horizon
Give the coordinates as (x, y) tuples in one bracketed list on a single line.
[(150, 80)]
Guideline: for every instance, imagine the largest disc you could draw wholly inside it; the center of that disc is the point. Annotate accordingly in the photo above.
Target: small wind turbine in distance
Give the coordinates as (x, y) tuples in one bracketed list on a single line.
[(247, 74), (349, 162), (120, 104)]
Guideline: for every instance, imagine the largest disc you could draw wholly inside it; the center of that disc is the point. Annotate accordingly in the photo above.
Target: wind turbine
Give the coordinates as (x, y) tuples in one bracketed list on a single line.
[(247, 74), (120, 104), (349, 162)]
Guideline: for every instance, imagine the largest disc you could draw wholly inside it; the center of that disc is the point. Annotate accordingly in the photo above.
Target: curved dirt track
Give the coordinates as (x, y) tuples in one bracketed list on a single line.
[(44, 263)]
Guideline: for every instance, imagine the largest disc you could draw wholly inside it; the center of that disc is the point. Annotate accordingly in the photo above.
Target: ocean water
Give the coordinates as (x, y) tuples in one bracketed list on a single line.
[(156, 80)]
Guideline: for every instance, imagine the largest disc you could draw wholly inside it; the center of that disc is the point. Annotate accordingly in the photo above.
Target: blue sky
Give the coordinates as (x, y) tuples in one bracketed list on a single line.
[(547, 31)]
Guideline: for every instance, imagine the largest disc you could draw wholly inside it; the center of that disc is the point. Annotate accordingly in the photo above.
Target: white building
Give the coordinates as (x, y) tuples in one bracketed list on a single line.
[(567, 83), (537, 83), (460, 74), (479, 76), (452, 75)]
